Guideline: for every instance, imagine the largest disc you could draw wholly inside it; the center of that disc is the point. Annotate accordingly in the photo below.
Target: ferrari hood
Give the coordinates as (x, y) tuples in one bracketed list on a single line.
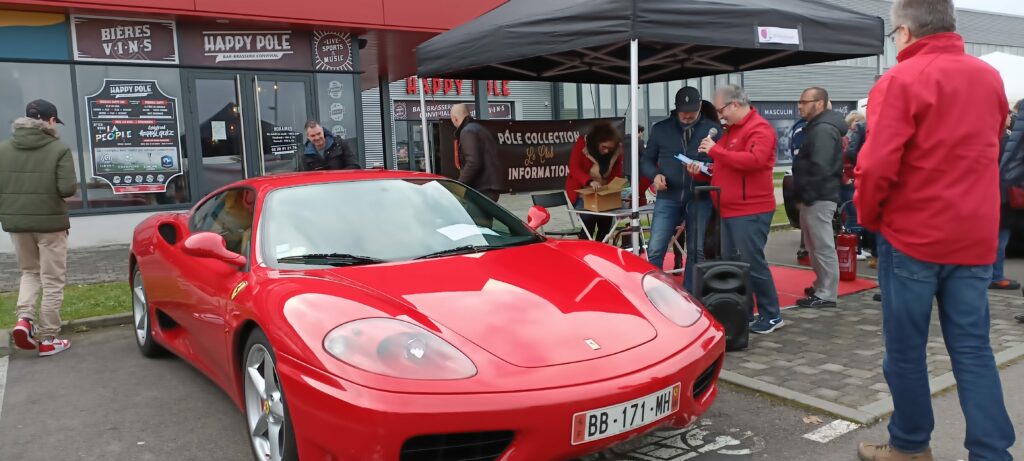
[(531, 306)]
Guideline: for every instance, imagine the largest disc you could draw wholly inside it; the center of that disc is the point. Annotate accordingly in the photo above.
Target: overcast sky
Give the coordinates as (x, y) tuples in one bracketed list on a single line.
[(996, 6)]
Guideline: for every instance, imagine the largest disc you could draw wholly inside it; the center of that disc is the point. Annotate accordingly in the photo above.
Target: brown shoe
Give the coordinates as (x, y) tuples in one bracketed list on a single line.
[(873, 262), (884, 452)]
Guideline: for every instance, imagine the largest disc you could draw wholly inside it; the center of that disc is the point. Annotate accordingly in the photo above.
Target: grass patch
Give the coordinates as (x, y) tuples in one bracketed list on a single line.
[(80, 301), (778, 175), (780, 215)]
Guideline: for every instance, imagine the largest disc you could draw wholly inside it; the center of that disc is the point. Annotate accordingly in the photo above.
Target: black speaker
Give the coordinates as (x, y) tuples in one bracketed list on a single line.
[(724, 289)]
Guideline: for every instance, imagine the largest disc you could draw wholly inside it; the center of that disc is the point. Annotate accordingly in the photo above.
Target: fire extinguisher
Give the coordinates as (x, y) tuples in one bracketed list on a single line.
[(846, 249)]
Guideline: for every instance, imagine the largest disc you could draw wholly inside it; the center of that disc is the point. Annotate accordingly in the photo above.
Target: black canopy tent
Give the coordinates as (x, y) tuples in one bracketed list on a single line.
[(645, 41)]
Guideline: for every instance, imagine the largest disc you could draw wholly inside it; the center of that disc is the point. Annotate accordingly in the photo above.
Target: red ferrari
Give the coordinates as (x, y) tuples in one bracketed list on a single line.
[(400, 316)]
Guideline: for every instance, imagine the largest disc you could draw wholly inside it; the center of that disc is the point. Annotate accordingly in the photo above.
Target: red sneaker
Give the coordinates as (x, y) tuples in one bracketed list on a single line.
[(22, 334), (53, 346)]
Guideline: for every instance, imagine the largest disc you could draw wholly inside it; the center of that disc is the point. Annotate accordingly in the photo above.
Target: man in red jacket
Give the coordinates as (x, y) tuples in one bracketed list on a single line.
[(929, 183), (743, 162)]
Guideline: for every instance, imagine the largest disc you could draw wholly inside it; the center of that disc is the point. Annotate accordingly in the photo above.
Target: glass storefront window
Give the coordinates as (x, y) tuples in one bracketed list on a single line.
[(674, 87), (659, 101), (21, 83), (337, 102), (570, 101), (589, 100), (101, 193), (607, 101)]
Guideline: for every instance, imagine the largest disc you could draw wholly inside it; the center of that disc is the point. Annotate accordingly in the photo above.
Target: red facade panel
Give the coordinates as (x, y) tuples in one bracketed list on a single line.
[(370, 12), (435, 15), (134, 5)]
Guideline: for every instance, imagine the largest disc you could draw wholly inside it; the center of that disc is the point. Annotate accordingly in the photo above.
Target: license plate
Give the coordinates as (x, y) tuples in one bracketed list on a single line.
[(597, 424)]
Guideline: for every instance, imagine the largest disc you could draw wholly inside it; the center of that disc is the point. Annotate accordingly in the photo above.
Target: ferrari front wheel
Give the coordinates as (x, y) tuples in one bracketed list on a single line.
[(140, 314), (270, 429)]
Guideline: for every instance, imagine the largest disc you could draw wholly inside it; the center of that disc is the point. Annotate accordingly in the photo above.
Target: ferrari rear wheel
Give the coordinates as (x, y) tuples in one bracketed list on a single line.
[(270, 428), (143, 325)]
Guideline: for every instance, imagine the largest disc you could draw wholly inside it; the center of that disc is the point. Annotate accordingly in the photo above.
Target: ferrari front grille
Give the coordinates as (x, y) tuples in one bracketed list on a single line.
[(472, 446), (703, 382)]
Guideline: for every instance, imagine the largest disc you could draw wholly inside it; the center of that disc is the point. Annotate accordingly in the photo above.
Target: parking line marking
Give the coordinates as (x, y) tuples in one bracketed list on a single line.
[(3, 382), (831, 431)]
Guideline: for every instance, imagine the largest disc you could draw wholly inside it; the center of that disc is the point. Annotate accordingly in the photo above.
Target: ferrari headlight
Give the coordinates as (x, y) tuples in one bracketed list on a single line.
[(397, 349), (679, 306)]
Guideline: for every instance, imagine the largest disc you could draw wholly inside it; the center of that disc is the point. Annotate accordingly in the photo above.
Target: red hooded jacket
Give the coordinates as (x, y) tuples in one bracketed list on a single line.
[(583, 168), (743, 162), (928, 175)]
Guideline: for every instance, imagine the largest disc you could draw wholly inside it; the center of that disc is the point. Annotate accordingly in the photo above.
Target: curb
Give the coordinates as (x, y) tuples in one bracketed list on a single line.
[(99, 322), (5, 342), (867, 414)]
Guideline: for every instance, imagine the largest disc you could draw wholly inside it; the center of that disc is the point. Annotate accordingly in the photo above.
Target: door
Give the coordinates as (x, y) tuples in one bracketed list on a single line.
[(246, 124)]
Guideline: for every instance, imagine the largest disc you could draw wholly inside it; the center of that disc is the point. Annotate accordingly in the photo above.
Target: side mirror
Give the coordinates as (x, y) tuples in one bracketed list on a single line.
[(537, 217), (212, 246)]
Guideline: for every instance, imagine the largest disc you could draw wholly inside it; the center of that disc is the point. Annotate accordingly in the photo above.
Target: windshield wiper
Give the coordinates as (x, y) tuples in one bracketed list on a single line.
[(330, 259), (459, 250)]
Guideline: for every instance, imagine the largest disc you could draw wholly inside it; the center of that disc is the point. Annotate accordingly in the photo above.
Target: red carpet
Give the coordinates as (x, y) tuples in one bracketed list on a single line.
[(791, 282)]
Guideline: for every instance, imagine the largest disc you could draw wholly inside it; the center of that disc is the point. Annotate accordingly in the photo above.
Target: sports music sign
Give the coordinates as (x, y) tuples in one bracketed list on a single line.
[(133, 136), (332, 51)]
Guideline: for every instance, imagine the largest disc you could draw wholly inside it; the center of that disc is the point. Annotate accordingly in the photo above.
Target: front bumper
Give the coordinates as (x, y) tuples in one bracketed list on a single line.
[(335, 419)]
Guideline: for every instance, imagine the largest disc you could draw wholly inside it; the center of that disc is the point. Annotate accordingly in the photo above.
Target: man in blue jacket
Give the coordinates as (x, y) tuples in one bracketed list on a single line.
[(680, 133)]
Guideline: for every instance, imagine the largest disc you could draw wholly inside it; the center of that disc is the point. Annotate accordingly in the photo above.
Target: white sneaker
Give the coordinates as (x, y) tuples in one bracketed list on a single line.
[(862, 256), (51, 346)]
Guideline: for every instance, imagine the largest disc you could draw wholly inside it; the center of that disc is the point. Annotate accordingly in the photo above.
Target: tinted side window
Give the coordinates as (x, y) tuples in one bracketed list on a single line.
[(228, 214)]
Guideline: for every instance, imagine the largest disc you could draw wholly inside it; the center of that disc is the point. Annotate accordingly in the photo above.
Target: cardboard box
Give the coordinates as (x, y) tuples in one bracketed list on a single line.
[(608, 198)]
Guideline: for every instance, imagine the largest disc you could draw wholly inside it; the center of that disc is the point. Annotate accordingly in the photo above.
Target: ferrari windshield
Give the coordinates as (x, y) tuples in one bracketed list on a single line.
[(367, 222)]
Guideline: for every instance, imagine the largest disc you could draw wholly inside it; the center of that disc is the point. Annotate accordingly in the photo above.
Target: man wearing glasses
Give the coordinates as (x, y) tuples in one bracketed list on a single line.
[(817, 175), (743, 162), (929, 184)]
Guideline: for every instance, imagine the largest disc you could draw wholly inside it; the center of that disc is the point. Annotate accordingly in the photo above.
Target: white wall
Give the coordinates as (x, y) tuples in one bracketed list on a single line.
[(91, 231)]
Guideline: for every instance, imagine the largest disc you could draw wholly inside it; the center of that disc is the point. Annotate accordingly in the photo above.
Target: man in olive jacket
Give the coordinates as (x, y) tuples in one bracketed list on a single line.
[(37, 172)]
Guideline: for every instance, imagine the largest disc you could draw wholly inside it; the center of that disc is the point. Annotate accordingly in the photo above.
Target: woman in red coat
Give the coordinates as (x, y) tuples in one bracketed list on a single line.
[(596, 159)]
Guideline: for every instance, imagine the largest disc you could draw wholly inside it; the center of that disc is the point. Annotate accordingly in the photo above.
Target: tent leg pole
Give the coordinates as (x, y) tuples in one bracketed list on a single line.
[(634, 83), (428, 160)]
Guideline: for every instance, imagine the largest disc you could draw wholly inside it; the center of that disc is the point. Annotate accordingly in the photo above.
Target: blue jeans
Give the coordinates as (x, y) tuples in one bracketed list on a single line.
[(698, 213), (668, 214), (744, 239), (997, 268), (908, 288)]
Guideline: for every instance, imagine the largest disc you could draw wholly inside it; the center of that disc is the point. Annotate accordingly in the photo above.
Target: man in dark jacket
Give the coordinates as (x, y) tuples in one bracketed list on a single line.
[(477, 155), (1011, 174), (37, 172), (680, 133), (817, 175), (326, 151)]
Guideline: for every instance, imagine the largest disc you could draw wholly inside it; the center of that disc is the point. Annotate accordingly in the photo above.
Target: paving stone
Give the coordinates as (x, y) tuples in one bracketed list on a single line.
[(832, 367), (754, 366), (806, 370)]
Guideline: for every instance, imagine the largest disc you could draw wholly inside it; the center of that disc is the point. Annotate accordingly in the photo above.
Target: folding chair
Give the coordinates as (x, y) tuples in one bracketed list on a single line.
[(554, 200)]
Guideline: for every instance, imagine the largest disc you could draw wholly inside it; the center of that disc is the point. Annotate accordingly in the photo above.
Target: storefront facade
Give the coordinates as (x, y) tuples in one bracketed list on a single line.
[(163, 104)]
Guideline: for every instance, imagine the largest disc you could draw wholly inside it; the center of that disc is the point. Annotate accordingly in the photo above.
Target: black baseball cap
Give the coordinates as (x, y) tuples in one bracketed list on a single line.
[(688, 99), (42, 109)]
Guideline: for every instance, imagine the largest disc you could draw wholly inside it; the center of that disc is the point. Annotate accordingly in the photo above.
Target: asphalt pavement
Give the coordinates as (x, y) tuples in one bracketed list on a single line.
[(103, 400)]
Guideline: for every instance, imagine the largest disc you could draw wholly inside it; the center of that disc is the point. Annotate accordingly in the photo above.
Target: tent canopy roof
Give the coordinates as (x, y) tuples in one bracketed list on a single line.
[(588, 40)]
